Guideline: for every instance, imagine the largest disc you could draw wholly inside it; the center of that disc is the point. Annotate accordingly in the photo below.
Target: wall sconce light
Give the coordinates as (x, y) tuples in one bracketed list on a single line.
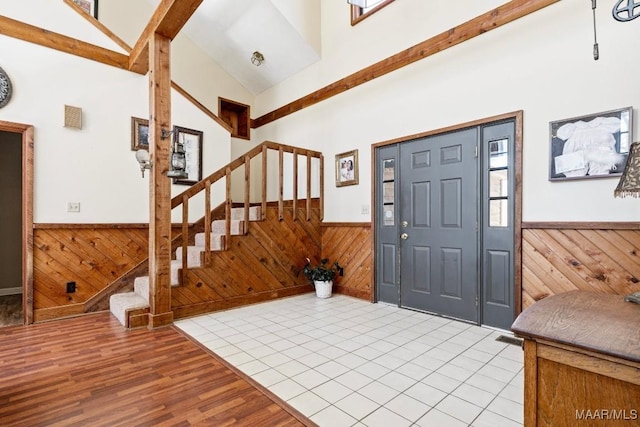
[(257, 58), (142, 156), (178, 158), (363, 3)]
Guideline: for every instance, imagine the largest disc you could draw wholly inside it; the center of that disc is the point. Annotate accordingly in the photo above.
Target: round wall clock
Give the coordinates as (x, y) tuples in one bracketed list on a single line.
[(5, 88)]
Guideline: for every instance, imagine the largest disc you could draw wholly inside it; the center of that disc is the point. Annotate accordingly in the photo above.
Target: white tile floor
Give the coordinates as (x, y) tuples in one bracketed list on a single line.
[(343, 361)]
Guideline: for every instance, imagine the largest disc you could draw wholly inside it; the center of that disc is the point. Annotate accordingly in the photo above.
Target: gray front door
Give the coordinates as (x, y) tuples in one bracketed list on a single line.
[(438, 224)]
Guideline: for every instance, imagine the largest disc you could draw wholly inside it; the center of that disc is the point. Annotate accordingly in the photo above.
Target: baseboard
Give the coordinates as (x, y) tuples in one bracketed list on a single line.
[(218, 305), (10, 291)]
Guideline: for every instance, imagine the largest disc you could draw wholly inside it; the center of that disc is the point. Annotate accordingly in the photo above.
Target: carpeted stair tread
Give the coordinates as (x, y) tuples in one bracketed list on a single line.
[(120, 303)]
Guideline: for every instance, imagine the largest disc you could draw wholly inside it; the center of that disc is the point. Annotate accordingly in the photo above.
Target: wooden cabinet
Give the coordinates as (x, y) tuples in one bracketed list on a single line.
[(581, 361)]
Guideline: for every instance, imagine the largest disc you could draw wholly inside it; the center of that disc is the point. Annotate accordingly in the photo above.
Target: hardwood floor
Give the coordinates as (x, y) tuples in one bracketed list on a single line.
[(90, 371)]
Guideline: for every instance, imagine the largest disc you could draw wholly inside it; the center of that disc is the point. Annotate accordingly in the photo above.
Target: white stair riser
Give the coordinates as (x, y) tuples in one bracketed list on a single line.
[(216, 241), (194, 259), (141, 287), (255, 213), (220, 227)]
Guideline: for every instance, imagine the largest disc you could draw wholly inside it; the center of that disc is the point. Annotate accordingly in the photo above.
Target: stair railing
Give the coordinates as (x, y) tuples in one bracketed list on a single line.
[(225, 173)]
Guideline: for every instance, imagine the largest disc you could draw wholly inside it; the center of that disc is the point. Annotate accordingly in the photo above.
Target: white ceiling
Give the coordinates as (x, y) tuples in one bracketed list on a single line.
[(229, 31)]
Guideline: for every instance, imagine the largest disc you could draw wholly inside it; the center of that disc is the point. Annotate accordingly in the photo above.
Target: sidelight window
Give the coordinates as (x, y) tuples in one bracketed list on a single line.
[(388, 191), (499, 183)]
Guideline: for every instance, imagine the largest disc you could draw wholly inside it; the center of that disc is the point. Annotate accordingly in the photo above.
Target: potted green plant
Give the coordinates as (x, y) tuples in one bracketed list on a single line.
[(322, 275)]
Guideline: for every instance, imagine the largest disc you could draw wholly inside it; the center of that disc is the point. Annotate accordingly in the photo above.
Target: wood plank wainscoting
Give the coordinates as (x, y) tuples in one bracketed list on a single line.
[(258, 266), (589, 256), (351, 244), (91, 255)]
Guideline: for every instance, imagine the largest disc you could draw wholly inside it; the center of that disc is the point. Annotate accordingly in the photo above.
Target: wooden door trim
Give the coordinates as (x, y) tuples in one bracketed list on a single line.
[(517, 117), (27, 215)]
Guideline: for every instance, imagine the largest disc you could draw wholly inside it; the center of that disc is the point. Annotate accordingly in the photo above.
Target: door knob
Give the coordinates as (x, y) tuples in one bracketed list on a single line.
[(404, 236)]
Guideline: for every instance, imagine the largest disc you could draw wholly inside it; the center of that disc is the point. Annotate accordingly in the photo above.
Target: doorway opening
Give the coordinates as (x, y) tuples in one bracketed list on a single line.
[(16, 222)]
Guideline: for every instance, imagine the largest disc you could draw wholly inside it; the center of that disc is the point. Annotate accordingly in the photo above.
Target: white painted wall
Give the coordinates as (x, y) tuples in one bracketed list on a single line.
[(304, 17), (541, 64), (94, 166)]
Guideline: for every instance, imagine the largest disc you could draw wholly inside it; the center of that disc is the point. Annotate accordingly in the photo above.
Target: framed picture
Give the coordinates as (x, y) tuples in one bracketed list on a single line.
[(89, 6), (191, 140), (592, 146), (347, 168), (139, 134)]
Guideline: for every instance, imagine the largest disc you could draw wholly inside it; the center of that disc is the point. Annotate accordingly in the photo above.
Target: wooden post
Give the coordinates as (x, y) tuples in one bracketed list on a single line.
[(247, 191), (280, 183), (160, 186), (264, 182), (295, 183)]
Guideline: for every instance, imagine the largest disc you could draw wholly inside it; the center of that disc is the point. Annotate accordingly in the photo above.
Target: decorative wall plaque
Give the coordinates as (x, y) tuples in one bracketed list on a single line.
[(5, 88)]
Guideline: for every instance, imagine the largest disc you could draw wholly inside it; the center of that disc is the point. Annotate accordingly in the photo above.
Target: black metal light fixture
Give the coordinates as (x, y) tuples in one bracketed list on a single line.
[(178, 161)]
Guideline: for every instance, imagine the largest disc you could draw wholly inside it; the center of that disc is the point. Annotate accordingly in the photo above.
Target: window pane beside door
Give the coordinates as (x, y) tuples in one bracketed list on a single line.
[(498, 153), (499, 183), (388, 191), (498, 213)]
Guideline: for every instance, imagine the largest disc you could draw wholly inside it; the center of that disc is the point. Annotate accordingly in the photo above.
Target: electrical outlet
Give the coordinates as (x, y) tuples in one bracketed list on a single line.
[(71, 287), (364, 209), (73, 206)]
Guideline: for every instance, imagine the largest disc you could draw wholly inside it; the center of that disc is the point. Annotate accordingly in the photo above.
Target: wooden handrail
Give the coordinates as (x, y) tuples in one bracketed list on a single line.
[(240, 161), (225, 173)]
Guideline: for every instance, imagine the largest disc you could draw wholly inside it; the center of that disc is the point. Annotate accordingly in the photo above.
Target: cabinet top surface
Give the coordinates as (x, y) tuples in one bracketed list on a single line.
[(597, 322)]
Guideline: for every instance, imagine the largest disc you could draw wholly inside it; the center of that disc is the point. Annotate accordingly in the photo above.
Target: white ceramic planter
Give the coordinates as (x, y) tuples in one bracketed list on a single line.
[(323, 288)]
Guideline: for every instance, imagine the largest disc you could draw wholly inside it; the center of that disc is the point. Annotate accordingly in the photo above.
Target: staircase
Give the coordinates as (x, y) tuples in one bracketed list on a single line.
[(131, 308), (208, 274)]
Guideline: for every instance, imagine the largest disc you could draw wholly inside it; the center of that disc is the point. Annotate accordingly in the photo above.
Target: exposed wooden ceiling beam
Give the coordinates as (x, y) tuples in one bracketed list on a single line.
[(99, 25), (481, 24), (167, 20), (40, 36)]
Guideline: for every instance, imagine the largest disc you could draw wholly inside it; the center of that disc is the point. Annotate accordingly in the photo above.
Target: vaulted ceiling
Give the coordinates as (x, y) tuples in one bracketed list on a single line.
[(229, 31)]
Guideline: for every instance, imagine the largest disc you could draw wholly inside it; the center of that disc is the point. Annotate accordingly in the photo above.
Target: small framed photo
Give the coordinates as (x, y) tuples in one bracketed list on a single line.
[(347, 168), (139, 134), (191, 140), (591, 146), (89, 6)]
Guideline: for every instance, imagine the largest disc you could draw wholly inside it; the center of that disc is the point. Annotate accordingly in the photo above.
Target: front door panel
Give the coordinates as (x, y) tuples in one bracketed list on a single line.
[(438, 232)]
